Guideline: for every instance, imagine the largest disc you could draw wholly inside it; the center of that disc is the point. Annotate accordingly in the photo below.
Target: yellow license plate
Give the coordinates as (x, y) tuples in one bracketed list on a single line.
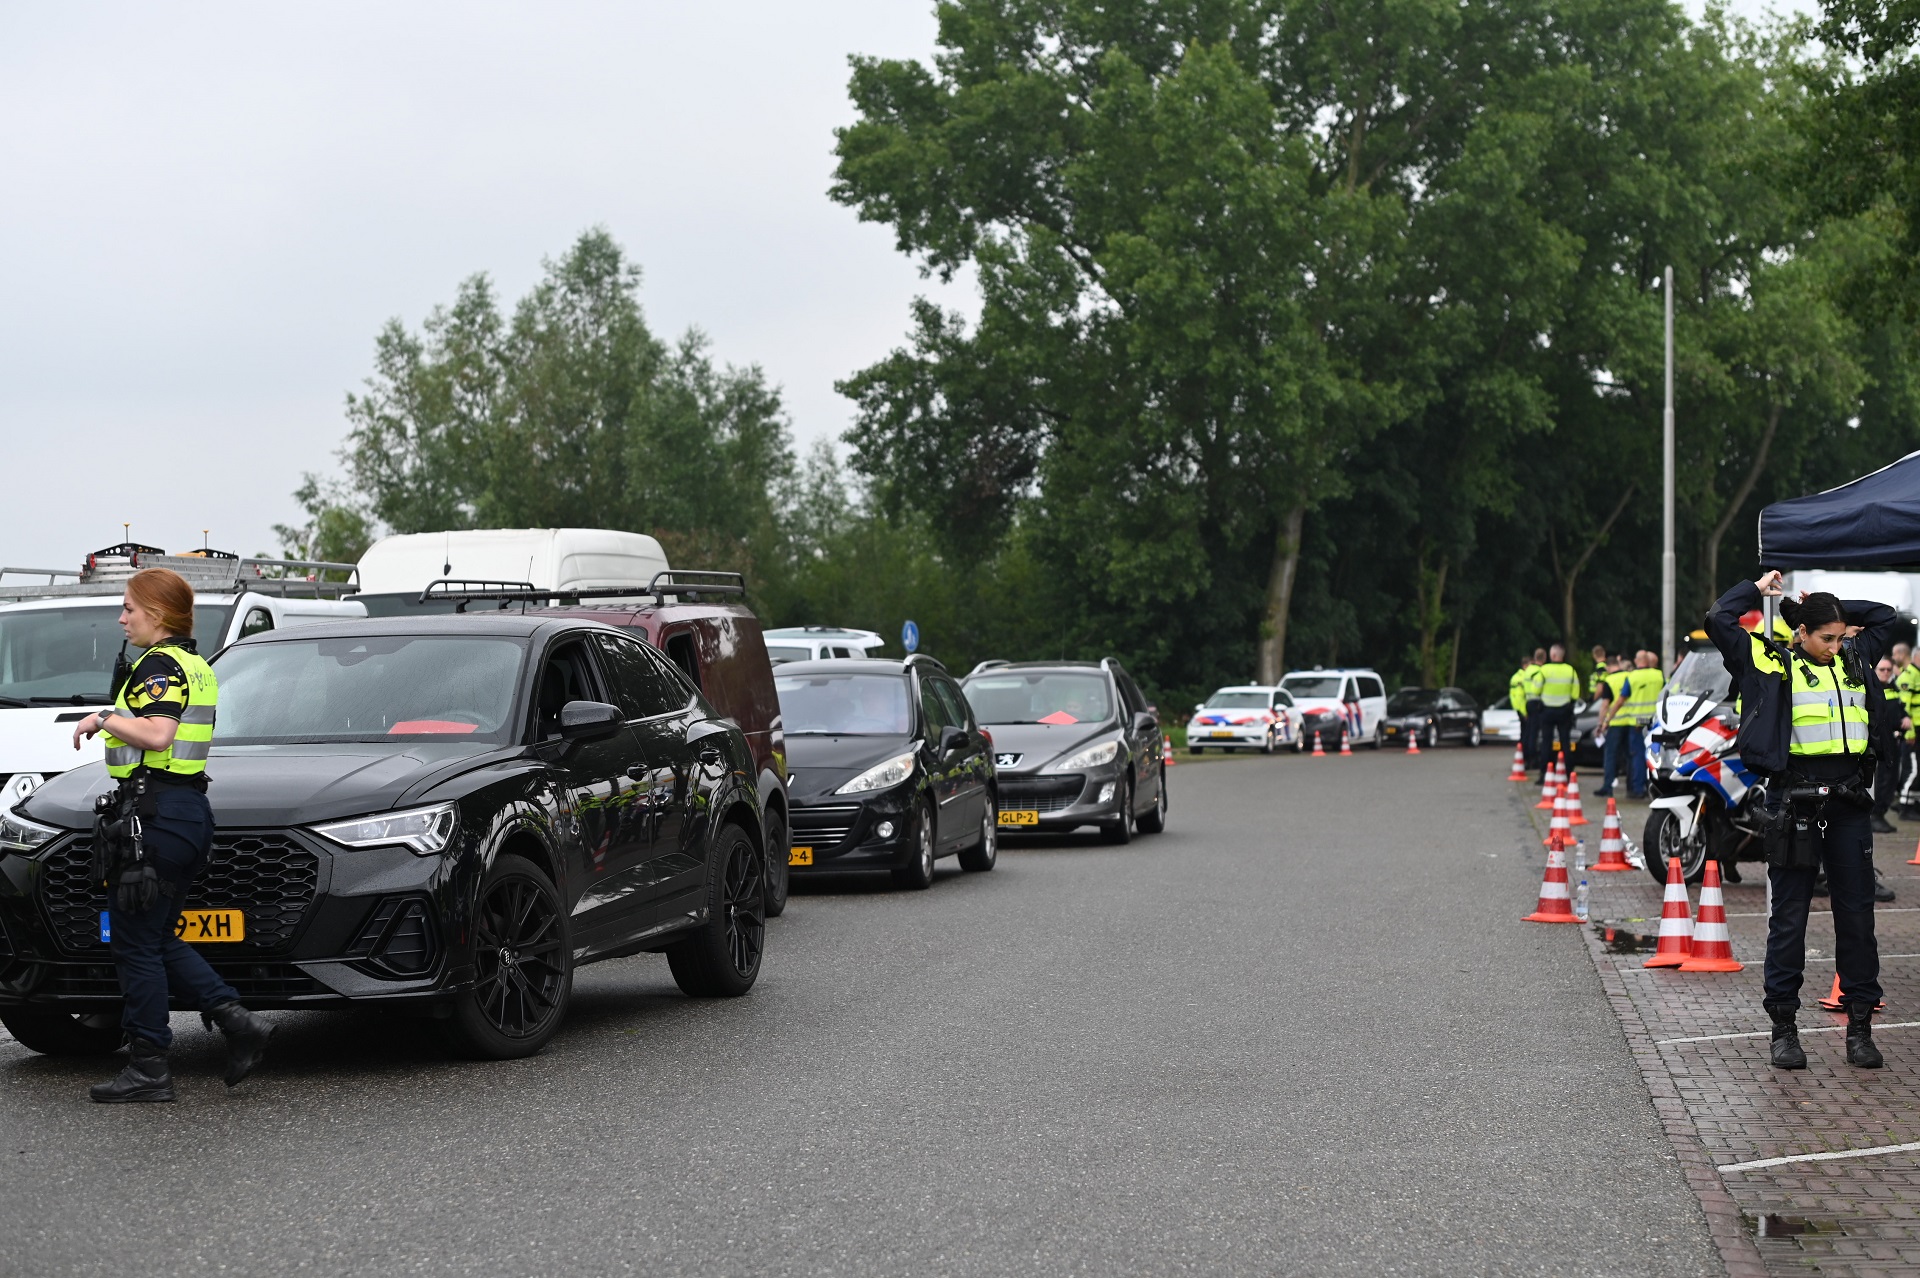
[(799, 856), (1019, 817), (197, 926), (1224, 734)]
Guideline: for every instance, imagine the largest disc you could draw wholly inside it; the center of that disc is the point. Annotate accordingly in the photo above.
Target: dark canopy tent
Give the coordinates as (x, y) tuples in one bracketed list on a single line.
[(1872, 522)]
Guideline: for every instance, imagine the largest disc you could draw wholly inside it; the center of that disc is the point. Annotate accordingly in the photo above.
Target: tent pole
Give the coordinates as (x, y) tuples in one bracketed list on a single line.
[(1667, 563)]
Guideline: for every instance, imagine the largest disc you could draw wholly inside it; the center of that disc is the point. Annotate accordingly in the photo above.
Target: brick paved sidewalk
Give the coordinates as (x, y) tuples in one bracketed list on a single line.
[(1723, 1104)]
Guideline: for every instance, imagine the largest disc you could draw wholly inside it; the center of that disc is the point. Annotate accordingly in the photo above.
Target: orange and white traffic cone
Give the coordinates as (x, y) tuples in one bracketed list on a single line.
[(1712, 947), (1413, 743), (1318, 753), (1559, 832), (1548, 786), (1915, 861), (1519, 770), (1676, 921), (1346, 747), (1556, 903), (1832, 1001), (1574, 815), (1613, 844), (1166, 752)]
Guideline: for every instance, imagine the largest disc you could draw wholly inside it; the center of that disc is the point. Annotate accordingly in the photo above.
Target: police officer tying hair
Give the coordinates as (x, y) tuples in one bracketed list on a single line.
[(1806, 726), (152, 836)]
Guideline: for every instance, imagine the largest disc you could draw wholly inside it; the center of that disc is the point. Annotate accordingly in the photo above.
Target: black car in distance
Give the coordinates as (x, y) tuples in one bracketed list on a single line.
[(1075, 744), (448, 812), (888, 769), (1432, 715)]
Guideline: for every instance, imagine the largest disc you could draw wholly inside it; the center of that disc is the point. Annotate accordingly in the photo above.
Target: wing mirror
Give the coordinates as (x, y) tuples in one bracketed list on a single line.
[(1143, 721), (951, 739), (589, 720)]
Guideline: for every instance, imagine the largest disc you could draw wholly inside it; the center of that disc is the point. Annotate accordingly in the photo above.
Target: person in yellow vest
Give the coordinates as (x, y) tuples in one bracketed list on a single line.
[(1806, 726), (1603, 665), (1619, 729), (1517, 698), (1559, 685), (153, 836), (1906, 686), (1536, 720)]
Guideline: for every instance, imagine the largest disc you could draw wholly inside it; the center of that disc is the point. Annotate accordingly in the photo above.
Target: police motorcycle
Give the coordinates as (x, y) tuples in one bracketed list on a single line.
[(1705, 802)]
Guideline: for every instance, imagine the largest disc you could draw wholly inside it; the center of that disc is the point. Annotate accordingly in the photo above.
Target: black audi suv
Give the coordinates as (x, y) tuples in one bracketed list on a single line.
[(889, 770), (447, 811), (1075, 743), (1433, 715)]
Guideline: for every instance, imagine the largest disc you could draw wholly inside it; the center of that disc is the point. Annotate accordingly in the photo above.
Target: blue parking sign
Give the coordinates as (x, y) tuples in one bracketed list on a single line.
[(910, 637)]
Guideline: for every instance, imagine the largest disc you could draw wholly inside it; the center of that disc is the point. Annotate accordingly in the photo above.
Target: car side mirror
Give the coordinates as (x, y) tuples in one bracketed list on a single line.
[(951, 739), (589, 720), (1144, 721)]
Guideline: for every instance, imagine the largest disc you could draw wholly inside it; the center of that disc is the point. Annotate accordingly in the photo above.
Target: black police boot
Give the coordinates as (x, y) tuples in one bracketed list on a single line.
[(1860, 1048), (247, 1034), (146, 1077), (1787, 1053), (1882, 890), (1881, 825)]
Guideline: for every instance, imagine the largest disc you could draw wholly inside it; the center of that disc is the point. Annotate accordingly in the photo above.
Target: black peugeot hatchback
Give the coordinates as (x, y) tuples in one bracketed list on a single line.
[(447, 811), (889, 770)]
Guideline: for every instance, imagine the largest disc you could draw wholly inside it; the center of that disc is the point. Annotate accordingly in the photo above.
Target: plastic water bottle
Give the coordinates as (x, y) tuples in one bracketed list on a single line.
[(1580, 856), (1580, 900)]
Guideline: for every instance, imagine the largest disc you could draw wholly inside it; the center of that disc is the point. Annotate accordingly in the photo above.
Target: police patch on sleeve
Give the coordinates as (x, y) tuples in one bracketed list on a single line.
[(155, 686)]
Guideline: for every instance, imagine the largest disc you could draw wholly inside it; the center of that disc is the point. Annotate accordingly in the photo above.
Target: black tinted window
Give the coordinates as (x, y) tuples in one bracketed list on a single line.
[(951, 702), (1371, 687), (643, 686), (934, 714)]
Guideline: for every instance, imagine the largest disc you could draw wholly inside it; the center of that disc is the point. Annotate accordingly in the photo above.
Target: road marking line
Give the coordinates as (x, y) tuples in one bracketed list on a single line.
[(1758, 1163), (1823, 1029)]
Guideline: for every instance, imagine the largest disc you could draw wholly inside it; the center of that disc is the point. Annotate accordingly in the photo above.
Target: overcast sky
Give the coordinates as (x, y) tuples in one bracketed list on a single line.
[(209, 210)]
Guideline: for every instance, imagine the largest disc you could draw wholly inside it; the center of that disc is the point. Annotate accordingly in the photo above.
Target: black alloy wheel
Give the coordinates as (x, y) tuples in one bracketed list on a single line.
[(1662, 840), (1120, 831), (721, 958), (779, 856), (1272, 743), (54, 1033), (1473, 734), (917, 875), (1380, 735), (981, 856), (1156, 821), (522, 966), (1433, 738)]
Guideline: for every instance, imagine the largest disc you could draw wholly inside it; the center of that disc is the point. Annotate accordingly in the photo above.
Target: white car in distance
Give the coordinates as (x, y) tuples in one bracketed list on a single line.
[(1245, 717)]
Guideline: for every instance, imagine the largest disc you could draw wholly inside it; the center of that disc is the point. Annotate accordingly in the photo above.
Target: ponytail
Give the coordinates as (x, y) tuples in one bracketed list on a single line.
[(1816, 610)]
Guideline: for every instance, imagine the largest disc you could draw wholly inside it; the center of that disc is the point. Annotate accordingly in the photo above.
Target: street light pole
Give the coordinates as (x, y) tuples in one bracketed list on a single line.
[(1667, 573)]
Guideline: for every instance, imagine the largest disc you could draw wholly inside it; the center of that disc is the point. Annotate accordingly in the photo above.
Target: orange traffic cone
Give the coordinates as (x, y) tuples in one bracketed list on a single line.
[(1676, 921), (1915, 861), (1547, 787), (1555, 904), (1413, 743), (1574, 815), (1346, 748), (1318, 753), (1559, 833), (1613, 844), (1519, 770), (1712, 947), (1166, 751), (1832, 1001)]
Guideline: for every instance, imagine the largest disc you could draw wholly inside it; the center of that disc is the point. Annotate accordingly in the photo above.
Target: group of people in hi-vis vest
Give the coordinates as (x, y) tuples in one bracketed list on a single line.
[(1545, 691)]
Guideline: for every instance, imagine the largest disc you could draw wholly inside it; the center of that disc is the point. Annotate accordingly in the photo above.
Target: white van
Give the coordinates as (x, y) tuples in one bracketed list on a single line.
[(818, 643), (394, 570), (58, 642), (1346, 701)]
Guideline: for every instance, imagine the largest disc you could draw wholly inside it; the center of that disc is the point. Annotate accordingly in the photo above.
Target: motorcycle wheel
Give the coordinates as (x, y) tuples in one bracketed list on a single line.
[(1662, 840)]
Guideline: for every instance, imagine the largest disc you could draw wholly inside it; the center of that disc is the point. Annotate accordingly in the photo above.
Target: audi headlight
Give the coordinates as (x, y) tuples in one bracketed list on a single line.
[(1091, 757), (17, 834), (425, 830), (881, 776)]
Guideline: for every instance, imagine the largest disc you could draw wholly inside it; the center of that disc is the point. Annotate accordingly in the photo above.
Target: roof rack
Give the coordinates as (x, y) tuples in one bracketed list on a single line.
[(106, 572), (925, 659), (676, 582), (993, 664)]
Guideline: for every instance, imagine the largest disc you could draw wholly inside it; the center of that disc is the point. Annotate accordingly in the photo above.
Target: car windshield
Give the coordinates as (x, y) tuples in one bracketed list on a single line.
[(852, 705), (1312, 685), (368, 688), (1056, 697), (1412, 701), (1238, 701), (776, 652), (55, 655), (1702, 673)]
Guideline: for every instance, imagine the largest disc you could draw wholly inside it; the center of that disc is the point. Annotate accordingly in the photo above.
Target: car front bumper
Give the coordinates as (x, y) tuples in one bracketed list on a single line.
[(1233, 735), (1059, 801), (842, 832)]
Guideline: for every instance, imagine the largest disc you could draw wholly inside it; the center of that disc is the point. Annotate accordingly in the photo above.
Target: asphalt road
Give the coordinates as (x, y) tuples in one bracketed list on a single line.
[(1303, 1031)]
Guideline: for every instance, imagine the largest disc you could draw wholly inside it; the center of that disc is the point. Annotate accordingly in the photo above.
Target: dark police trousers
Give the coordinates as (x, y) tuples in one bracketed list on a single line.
[(1531, 725), (1847, 853), (1626, 756), (146, 954), (1554, 719)]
